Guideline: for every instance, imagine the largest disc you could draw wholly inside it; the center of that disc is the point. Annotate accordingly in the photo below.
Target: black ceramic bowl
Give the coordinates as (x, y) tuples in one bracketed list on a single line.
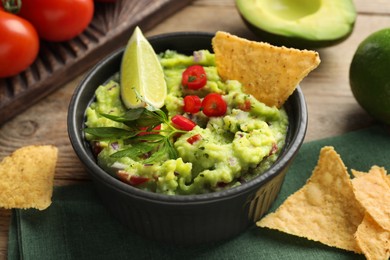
[(184, 219)]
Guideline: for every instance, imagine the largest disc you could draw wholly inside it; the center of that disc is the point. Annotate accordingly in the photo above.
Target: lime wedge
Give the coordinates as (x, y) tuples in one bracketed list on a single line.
[(141, 75)]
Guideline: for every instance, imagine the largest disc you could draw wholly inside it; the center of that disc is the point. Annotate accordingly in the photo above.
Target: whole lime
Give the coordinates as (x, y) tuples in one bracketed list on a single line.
[(369, 75)]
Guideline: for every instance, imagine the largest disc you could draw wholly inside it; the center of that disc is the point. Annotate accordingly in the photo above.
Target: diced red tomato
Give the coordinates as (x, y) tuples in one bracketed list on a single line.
[(194, 77), (214, 105), (96, 148), (193, 139), (148, 133), (192, 104), (274, 149), (134, 180), (183, 123), (246, 106)]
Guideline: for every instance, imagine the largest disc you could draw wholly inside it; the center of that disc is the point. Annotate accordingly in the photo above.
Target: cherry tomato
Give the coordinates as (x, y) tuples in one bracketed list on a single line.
[(183, 123), (58, 20), (19, 44), (192, 104), (214, 105), (194, 77), (134, 180), (193, 139)]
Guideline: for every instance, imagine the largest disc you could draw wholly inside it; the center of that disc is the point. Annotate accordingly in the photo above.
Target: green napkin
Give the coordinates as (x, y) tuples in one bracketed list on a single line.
[(77, 226)]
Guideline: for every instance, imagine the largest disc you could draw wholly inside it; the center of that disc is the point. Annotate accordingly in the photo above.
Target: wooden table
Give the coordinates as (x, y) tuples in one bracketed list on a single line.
[(332, 108)]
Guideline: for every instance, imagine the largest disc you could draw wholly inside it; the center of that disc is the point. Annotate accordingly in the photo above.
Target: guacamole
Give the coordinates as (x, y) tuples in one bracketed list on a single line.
[(219, 152)]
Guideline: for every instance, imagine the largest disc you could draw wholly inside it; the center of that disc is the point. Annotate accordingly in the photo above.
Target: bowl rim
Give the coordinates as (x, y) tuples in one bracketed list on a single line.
[(78, 143)]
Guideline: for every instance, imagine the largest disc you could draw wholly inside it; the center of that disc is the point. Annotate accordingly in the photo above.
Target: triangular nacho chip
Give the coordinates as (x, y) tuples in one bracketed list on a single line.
[(26, 177), (268, 72), (372, 190), (324, 209), (356, 173), (373, 240)]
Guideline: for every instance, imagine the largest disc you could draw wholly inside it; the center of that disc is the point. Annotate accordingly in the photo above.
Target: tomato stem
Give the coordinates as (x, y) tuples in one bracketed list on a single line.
[(12, 6)]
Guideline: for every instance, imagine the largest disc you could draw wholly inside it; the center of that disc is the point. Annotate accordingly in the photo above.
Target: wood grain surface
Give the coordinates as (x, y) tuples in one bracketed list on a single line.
[(332, 108)]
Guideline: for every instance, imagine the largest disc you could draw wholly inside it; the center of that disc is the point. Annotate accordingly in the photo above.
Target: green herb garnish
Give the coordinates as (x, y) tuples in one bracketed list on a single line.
[(152, 147)]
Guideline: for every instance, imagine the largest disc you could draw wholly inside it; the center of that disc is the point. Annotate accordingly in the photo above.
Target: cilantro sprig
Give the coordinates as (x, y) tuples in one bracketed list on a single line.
[(151, 147)]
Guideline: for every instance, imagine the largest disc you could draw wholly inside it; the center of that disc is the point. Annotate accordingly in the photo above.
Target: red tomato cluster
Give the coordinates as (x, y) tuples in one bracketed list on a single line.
[(213, 104), (23, 23), (194, 78)]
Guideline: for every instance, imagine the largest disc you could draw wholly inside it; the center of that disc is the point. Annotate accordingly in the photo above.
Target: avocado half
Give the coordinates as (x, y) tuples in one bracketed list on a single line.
[(299, 23)]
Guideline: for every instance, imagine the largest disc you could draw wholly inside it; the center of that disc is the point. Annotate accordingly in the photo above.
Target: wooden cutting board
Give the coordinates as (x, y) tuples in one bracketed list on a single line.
[(58, 63)]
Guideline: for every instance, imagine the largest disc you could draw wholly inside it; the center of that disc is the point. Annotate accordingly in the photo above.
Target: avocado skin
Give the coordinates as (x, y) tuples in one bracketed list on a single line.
[(294, 42)]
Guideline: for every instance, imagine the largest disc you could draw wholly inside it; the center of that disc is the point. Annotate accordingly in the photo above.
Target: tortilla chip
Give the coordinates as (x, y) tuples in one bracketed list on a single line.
[(373, 240), (324, 209), (356, 173), (268, 72), (372, 190), (26, 177), (387, 178)]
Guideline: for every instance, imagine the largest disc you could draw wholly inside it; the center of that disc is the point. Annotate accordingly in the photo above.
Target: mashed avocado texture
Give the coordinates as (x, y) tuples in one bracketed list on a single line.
[(218, 153)]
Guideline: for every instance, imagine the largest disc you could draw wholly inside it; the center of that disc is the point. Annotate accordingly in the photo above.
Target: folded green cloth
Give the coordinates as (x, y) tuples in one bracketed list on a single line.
[(77, 226)]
